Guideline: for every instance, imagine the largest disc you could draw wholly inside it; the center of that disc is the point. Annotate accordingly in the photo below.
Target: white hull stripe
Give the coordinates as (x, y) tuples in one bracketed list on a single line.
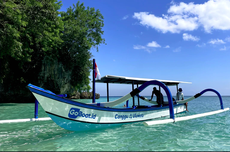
[(101, 122)]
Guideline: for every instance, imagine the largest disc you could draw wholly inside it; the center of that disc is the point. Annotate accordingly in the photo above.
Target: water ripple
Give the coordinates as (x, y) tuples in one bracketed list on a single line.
[(210, 133)]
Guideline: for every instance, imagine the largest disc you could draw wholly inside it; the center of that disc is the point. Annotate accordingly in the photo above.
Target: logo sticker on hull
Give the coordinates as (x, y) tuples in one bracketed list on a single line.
[(75, 112)]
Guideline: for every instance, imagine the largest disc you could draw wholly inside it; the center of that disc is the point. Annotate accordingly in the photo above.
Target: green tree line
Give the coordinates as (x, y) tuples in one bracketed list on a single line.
[(45, 47)]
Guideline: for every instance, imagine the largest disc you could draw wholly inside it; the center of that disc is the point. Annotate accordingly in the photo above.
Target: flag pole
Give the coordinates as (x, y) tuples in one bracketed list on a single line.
[(93, 81)]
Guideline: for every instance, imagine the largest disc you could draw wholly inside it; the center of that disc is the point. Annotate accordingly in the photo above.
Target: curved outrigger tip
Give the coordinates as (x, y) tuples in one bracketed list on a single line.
[(148, 123)]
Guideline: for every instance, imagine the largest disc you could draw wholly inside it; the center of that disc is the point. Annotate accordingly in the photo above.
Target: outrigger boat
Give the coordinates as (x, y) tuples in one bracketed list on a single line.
[(78, 116)]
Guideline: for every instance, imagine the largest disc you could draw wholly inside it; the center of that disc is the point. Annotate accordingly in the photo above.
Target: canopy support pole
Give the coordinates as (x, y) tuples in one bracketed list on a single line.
[(138, 98), (133, 96), (107, 91)]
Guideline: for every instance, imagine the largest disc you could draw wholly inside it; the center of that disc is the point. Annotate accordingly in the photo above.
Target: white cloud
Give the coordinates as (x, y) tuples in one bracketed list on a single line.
[(166, 24), (213, 14), (223, 49), (167, 46), (125, 17), (140, 47), (153, 44), (148, 47), (177, 49), (227, 39), (216, 41), (189, 37), (201, 45)]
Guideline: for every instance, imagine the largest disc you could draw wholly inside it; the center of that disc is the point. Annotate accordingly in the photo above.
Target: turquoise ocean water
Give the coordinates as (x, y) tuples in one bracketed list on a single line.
[(211, 133)]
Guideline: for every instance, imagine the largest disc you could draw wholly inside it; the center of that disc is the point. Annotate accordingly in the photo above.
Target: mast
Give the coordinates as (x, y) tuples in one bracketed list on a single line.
[(93, 100)]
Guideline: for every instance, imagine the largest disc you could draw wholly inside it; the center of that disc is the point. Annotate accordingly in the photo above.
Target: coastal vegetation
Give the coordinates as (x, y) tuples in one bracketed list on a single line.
[(45, 47)]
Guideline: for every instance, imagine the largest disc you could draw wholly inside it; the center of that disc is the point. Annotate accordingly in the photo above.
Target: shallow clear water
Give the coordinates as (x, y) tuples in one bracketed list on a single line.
[(203, 134)]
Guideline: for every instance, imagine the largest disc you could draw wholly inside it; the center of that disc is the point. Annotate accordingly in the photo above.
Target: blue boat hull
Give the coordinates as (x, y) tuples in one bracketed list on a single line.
[(79, 126)]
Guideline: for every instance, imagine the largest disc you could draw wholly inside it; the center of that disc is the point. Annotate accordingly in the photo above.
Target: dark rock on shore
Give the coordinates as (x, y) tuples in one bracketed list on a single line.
[(22, 95), (25, 96), (76, 95)]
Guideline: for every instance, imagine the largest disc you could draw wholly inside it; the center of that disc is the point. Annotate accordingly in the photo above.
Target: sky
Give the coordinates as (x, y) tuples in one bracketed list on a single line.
[(163, 39)]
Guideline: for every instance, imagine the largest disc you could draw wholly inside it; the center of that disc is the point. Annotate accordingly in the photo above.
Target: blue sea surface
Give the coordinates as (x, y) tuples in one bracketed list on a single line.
[(211, 133)]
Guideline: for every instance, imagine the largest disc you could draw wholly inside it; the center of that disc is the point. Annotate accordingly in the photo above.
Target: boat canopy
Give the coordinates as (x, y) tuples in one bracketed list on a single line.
[(132, 80)]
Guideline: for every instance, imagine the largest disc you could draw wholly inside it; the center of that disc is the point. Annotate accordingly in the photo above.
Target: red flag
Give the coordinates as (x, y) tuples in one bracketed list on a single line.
[(97, 73)]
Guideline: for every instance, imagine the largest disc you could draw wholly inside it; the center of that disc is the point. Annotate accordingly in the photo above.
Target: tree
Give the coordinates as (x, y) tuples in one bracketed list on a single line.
[(42, 46), (82, 31), (29, 30)]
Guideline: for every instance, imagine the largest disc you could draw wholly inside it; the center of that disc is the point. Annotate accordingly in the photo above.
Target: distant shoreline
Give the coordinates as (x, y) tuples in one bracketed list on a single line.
[(103, 97), (185, 96)]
